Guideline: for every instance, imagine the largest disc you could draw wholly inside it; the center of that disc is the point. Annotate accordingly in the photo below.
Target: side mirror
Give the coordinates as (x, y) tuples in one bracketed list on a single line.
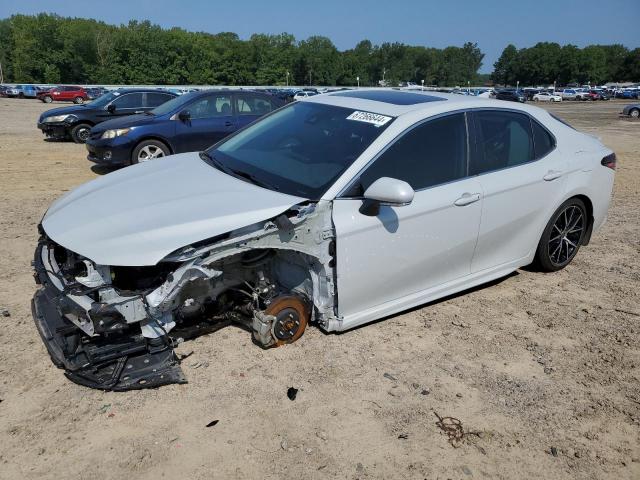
[(184, 115), (111, 108), (386, 191)]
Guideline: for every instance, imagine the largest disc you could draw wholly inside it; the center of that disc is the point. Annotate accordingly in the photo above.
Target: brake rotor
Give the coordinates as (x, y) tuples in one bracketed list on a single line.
[(292, 316)]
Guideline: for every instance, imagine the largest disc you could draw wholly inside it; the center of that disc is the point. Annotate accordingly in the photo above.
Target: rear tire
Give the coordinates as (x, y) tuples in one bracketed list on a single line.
[(634, 113), (78, 100), (563, 236), (80, 133), (47, 99), (149, 150)]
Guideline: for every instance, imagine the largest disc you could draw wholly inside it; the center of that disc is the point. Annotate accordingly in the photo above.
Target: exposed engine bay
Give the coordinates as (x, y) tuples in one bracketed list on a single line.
[(115, 327)]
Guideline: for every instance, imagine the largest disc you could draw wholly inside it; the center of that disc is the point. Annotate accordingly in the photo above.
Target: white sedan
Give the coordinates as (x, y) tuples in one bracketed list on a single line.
[(335, 210), (546, 97)]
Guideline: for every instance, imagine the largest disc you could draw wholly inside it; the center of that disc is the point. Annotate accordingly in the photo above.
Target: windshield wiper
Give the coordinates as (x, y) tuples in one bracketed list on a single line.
[(149, 112), (207, 157)]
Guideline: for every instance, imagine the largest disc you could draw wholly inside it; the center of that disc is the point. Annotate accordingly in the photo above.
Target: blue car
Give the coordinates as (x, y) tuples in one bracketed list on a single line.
[(190, 122), (22, 91)]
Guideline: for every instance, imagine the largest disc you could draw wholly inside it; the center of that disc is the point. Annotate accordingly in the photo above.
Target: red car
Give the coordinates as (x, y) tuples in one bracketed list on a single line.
[(64, 94)]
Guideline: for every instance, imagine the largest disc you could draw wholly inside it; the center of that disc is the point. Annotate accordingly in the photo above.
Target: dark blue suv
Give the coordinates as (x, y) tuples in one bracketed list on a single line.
[(188, 123)]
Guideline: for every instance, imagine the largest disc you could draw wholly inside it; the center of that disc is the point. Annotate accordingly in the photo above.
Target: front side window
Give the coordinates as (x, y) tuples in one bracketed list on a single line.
[(211, 106), (503, 140), (252, 105), (128, 100), (430, 154), (301, 149)]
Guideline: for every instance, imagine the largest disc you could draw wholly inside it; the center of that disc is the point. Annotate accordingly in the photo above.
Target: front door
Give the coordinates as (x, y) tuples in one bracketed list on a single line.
[(389, 261), (211, 119)]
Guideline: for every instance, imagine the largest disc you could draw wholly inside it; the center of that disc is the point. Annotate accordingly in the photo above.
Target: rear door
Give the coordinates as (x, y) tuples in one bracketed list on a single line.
[(211, 119), (155, 99), (251, 106), (523, 178)]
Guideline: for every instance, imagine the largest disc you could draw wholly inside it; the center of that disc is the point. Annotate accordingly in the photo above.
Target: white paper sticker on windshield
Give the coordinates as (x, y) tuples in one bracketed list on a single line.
[(373, 118)]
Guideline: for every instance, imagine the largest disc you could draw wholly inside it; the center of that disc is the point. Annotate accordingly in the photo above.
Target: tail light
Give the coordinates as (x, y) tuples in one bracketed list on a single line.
[(609, 161)]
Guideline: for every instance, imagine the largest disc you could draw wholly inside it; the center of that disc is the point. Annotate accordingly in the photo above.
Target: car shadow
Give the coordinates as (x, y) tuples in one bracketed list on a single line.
[(102, 169), (434, 302), (55, 140)]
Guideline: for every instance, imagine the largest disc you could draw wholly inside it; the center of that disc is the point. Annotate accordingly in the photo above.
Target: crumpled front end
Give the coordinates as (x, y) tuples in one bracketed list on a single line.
[(115, 327)]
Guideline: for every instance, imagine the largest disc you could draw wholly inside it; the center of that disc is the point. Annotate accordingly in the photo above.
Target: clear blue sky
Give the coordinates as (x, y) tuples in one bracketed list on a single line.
[(491, 23)]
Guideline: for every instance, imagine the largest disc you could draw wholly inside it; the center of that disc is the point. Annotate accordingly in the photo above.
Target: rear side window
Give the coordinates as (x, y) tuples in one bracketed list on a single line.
[(253, 105), (503, 140), (430, 154), (157, 99), (543, 142)]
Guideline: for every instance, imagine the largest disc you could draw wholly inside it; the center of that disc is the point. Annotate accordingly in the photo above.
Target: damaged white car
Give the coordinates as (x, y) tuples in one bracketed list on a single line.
[(336, 210)]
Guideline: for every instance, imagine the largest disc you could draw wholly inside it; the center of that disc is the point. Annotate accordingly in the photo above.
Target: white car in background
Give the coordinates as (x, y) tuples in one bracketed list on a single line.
[(336, 210), (304, 94), (546, 97)]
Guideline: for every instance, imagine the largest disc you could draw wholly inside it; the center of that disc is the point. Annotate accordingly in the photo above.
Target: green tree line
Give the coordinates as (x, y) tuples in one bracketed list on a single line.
[(52, 49), (546, 63)]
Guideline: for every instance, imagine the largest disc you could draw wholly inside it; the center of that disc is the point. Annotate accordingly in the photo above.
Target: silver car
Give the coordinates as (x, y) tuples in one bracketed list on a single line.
[(336, 210)]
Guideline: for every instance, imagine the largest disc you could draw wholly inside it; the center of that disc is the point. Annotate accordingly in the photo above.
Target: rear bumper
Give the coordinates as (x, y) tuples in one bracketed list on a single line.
[(119, 361)]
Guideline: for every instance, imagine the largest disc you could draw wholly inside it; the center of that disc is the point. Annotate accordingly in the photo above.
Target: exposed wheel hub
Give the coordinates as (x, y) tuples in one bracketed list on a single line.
[(283, 321)]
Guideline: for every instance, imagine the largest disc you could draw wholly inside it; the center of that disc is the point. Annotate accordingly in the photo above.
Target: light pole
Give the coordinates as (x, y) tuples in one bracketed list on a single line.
[(1, 75), (384, 72), (310, 77), (358, 79), (422, 81), (468, 86), (517, 85), (287, 79)]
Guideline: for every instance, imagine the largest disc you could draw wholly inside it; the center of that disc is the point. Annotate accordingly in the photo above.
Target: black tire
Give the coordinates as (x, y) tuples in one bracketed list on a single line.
[(47, 99), (80, 133), (157, 146), (634, 113), (562, 237), (78, 100)]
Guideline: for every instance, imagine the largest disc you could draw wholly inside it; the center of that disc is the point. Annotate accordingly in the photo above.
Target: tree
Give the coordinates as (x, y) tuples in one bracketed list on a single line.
[(504, 69)]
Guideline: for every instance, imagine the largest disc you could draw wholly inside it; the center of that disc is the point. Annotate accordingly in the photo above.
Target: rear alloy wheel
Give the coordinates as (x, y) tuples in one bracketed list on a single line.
[(80, 133), (47, 99), (149, 150), (634, 113), (562, 236), (78, 100)]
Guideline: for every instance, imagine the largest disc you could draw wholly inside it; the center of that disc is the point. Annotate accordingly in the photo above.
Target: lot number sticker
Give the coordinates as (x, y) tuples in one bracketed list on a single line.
[(373, 118)]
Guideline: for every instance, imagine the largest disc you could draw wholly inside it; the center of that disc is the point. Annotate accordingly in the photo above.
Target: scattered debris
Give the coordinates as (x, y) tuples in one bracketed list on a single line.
[(359, 467), (390, 377), (403, 436), (452, 427), (104, 408), (185, 356), (554, 451), (284, 444), (425, 391), (375, 403), (322, 435), (291, 393), (308, 451), (111, 415), (6, 312), (459, 395), (459, 323), (466, 470), (212, 423)]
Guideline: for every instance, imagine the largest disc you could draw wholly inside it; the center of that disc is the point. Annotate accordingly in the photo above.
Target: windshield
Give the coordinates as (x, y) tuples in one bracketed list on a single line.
[(174, 103), (300, 149), (102, 100)]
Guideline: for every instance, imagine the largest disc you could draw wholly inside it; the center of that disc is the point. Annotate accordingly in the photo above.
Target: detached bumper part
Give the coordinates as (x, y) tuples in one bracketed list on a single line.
[(127, 363), (116, 361)]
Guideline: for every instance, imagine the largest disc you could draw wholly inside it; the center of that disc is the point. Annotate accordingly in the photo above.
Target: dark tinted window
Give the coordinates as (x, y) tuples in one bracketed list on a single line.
[(503, 140), (543, 141), (156, 99), (252, 105), (129, 100), (430, 154)]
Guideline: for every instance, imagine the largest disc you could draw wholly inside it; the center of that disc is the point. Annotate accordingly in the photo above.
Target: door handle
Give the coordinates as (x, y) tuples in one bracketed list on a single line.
[(228, 123), (552, 175), (467, 199), (139, 111)]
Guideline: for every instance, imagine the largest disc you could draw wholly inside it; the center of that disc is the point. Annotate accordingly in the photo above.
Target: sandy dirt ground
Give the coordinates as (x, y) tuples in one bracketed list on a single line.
[(542, 370)]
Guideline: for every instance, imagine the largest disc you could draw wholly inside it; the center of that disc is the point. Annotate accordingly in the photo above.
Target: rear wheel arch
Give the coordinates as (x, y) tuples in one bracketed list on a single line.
[(589, 205)]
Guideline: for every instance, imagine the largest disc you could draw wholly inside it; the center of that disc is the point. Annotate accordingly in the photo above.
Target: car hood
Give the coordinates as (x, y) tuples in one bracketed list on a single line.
[(138, 215), (125, 122), (65, 110)]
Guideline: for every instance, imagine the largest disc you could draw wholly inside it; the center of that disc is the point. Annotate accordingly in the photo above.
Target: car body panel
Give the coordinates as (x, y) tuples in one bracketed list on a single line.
[(140, 216)]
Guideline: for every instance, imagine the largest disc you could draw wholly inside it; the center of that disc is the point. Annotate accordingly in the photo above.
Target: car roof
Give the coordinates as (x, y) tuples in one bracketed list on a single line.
[(391, 101), (412, 109), (140, 90)]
